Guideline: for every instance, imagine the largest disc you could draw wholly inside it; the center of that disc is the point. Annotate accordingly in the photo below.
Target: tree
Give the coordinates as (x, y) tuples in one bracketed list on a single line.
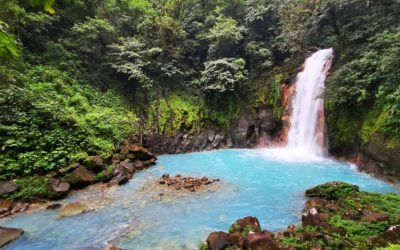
[(92, 38), (47, 5), (130, 57), (223, 75), (224, 36), (8, 45)]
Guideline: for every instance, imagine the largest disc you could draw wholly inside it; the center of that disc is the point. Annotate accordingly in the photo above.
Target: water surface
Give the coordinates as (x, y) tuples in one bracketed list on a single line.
[(268, 184)]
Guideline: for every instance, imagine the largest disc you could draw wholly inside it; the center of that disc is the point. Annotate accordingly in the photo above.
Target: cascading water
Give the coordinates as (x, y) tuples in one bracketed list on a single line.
[(306, 131)]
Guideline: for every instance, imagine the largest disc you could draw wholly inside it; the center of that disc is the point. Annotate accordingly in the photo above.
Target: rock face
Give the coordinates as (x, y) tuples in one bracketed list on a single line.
[(134, 152), (81, 177), (251, 127), (243, 133), (7, 187), (377, 159), (9, 234), (72, 209)]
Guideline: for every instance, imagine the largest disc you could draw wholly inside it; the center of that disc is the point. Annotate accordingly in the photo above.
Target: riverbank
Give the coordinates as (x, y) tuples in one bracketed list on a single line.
[(336, 216), (32, 192)]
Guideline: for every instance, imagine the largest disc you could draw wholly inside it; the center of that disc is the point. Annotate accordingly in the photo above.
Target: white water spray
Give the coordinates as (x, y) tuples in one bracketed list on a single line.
[(308, 104)]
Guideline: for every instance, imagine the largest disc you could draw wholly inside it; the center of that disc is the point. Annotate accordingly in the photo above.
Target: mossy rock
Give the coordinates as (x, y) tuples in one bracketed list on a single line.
[(333, 190), (34, 187)]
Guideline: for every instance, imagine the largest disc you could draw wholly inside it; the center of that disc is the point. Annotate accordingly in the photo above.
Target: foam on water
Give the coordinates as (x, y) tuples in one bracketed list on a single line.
[(265, 183)]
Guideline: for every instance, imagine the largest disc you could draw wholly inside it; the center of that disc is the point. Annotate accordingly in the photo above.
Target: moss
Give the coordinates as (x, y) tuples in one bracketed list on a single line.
[(177, 112), (298, 243), (33, 187), (355, 234), (203, 246), (390, 247), (234, 228), (244, 232), (170, 114), (223, 111), (333, 190)]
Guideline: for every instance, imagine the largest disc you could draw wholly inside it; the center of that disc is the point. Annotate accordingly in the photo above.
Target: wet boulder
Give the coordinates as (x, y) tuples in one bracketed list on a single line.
[(20, 207), (59, 187), (53, 206), (261, 241), (217, 241), (7, 187), (9, 234), (94, 163), (69, 169), (246, 225), (135, 151), (119, 180), (236, 240), (5, 207), (72, 209), (128, 166), (121, 173), (81, 177), (311, 218), (141, 153)]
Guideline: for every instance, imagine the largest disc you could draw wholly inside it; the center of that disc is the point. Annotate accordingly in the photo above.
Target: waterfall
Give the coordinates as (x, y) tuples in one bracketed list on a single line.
[(306, 130)]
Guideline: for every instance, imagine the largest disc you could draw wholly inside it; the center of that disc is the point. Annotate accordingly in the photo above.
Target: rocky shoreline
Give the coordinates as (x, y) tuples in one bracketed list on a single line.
[(116, 169), (336, 216), (371, 167)]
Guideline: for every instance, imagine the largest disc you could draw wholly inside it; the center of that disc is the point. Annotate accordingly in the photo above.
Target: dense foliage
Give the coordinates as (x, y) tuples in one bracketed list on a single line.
[(75, 74)]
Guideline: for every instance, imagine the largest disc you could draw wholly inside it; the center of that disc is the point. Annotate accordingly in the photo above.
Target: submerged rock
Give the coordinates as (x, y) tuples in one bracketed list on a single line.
[(9, 234), (112, 247), (8, 187), (190, 184), (72, 209)]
